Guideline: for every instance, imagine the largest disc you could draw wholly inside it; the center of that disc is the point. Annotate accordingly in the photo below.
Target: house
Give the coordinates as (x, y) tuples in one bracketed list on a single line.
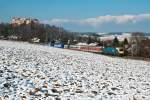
[(13, 37), (35, 40)]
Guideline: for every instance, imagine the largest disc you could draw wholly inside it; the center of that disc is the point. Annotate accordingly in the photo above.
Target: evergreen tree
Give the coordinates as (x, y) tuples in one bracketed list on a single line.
[(89, 40), (125, 42), (116, 42)]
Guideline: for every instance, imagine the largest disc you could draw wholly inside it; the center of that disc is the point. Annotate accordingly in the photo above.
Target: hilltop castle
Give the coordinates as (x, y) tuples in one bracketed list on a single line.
[(16, 21)]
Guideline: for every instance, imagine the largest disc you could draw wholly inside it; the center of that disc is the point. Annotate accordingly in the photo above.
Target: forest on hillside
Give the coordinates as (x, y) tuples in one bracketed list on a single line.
[(44, 32)]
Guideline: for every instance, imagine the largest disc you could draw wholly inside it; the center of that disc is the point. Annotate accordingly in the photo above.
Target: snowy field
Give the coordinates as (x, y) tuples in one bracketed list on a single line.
[(36, 72)]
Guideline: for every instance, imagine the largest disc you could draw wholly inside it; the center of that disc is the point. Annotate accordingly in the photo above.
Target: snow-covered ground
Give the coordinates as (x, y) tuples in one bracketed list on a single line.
[(36, 72)]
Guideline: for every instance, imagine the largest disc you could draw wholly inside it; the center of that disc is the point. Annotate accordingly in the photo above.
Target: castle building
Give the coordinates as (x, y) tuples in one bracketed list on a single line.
[(16, 21)]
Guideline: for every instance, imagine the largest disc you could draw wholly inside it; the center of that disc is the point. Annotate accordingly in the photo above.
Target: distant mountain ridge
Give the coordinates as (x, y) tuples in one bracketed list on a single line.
[(109, 34), (119, 33)]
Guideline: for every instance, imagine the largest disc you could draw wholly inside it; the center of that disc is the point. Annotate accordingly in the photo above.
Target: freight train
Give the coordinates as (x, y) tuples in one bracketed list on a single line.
[(115, 51)]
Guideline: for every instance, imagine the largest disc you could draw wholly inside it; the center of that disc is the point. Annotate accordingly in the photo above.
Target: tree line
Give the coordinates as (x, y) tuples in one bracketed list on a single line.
[(44, 32)]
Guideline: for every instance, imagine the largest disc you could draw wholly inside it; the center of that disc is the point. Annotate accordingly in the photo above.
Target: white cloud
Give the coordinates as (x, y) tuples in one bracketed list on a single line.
[(123, 19)]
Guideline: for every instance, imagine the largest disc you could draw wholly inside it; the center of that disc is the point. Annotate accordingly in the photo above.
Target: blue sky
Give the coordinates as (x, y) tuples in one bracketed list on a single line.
[(82, 15)]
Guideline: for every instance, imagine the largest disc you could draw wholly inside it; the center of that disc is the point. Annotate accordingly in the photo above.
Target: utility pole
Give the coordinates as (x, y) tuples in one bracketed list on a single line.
[(46, 35), (46, 38), (68, 43)]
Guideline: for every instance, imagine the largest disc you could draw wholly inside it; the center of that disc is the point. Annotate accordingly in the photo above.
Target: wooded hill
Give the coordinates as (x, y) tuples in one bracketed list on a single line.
[(44, 32)]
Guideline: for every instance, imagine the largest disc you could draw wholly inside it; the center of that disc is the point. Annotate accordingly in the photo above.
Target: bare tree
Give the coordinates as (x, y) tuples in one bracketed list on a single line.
[(136, 39)]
